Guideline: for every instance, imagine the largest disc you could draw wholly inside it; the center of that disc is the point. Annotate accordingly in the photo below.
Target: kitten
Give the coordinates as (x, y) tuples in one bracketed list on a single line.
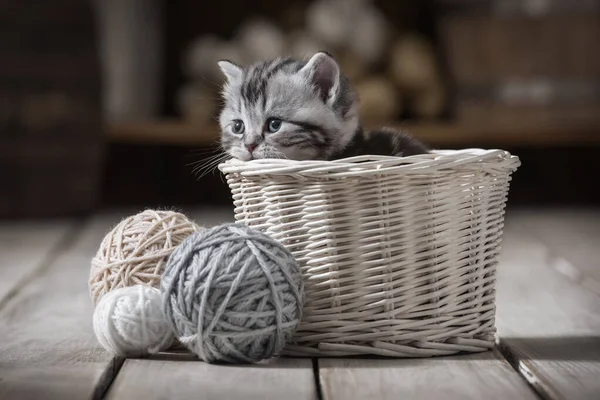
[(285, 108)]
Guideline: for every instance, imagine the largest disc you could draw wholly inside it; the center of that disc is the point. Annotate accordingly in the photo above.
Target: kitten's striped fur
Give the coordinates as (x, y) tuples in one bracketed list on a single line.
[(299, 110)]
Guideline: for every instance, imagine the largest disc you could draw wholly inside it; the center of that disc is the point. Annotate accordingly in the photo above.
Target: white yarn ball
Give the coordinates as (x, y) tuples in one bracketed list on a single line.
[(129, 322)]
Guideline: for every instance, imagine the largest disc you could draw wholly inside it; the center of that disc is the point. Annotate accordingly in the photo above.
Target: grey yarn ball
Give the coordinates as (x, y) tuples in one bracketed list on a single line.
[(232, 294)]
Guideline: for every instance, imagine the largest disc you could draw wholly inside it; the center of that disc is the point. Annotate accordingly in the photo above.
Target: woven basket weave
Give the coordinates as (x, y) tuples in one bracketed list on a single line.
[(398, 254)]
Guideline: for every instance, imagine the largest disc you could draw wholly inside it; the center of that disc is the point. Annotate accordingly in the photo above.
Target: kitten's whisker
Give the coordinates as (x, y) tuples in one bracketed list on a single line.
[(212, 170), (204, 160), (205, 169), (279, 155), (282, 74), (201, 174), (217, 85), (199, 152), (204, 164), (209, 166)]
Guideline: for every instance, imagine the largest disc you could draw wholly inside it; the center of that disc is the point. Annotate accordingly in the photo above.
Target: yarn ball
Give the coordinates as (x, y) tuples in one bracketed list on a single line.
[(232, 294), (136, 251), (130, 322)]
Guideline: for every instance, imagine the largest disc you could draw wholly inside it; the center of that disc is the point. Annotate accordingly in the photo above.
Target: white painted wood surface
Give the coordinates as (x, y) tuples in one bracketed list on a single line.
[(48, 349), (472, 376), (183, 376), (26, 247), (550, 323)]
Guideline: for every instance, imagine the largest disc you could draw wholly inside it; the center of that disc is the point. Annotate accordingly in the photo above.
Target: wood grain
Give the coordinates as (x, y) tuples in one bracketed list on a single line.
[(571, 237), (548, 325), (181, 376), (48, 349), (440, 134), (474, 376), (26, 247)]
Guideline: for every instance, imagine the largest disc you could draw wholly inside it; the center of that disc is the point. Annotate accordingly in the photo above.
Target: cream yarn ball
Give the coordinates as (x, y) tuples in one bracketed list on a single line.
[(129, 322), (136, 251)]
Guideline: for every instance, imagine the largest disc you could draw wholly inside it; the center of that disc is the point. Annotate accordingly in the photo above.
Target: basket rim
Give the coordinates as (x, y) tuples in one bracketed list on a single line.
[(435, 160)]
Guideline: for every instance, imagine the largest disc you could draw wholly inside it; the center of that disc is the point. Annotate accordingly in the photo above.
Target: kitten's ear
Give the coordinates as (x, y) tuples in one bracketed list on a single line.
[(232, 71), (324, 72)]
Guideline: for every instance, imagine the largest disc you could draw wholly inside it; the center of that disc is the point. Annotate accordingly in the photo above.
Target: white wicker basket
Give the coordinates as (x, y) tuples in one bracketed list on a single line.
[(398, 254)]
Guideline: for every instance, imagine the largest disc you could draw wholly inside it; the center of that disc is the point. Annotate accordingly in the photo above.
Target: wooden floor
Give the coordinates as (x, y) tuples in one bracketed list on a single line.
[(548, 318)]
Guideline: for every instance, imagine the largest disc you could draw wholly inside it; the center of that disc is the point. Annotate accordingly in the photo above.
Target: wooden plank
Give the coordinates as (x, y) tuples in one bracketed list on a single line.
[(571, 237), (548, 324), (175, 132), (24, 248), (180, 376), (48, 349), (466, 376), (474, 376)]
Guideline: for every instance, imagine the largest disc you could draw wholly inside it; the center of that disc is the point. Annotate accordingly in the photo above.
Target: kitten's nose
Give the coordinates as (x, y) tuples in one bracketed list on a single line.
[(251, 147)]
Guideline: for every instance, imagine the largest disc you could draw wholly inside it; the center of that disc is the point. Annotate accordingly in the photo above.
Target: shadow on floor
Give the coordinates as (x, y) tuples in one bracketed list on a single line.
[(560, 348)]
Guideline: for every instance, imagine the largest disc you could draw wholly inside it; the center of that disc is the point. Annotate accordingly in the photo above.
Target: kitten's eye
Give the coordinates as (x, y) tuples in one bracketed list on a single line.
[(273, 125), (238, 127)]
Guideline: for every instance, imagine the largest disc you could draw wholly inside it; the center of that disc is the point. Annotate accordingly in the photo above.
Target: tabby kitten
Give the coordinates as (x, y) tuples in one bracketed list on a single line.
[(285, 108)]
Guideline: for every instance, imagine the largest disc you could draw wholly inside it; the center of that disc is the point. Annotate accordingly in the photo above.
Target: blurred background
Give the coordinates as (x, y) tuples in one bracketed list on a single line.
[(112, 103)]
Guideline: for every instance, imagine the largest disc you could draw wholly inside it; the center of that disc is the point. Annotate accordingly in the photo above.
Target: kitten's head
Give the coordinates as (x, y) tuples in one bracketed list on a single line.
[(285, 108)]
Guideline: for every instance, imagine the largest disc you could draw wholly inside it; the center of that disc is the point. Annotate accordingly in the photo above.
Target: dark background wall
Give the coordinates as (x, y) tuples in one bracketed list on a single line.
[(60, 154)]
